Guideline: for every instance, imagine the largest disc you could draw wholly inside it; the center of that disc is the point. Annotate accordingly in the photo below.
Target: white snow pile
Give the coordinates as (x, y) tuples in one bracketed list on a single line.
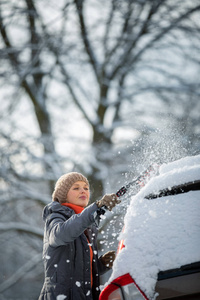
[(163, 233)]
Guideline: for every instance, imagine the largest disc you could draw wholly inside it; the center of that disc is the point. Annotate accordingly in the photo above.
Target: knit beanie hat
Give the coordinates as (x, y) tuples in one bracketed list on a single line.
[(64, 184)]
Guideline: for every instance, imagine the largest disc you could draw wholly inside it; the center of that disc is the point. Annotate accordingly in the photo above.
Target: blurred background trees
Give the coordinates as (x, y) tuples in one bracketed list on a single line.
[(100, 87)]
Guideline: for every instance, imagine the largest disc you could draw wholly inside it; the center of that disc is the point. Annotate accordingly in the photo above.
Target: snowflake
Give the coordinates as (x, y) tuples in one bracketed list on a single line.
[(78, 283)]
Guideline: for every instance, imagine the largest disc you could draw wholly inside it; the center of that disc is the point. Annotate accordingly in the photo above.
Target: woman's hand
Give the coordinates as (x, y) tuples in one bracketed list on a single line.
[(108, 258), (108, 200)]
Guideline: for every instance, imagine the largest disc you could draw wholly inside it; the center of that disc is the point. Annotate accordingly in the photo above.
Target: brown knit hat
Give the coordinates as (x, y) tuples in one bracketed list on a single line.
[(64, 184)]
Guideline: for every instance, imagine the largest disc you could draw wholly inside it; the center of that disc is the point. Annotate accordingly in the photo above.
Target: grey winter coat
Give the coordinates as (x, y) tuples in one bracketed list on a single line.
[(66, 253)]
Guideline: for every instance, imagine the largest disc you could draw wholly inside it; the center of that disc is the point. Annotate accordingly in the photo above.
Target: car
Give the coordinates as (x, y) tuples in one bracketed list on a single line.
[(159, 250)]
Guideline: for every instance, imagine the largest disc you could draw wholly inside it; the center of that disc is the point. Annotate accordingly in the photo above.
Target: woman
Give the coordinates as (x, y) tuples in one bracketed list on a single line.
[(71, 262)]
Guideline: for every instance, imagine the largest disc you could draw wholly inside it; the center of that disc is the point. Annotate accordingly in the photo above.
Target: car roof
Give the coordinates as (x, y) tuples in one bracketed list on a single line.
[(162, 232)]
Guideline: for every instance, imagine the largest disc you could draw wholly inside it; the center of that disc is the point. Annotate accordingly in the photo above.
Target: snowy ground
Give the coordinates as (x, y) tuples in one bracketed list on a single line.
[(163, 233)]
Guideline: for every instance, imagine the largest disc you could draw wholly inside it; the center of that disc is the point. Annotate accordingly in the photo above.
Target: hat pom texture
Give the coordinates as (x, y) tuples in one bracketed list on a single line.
[(64, 184)]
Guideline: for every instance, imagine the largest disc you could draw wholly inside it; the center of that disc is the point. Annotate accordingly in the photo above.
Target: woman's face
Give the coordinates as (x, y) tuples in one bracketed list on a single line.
[(79, 194)]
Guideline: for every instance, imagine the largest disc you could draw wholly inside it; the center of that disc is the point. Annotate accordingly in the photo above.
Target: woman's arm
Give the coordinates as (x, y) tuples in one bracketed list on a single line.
[(63, 231)]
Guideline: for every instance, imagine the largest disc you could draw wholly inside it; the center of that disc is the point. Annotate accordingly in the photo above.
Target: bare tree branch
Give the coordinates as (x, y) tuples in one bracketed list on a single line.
[(21, 227), (20, 273), (84, 35)]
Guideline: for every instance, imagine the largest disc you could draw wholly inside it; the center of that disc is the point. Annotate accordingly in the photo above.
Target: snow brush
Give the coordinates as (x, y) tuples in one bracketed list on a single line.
[(139, 181)]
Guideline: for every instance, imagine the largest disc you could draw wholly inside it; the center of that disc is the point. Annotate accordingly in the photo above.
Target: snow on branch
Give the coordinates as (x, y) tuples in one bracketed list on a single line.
[(85, 38), (20, 273), (22, 227)]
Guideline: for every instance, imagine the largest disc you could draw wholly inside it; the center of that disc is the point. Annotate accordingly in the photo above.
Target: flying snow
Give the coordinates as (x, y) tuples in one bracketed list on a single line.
[(61, 297), (78, 283)]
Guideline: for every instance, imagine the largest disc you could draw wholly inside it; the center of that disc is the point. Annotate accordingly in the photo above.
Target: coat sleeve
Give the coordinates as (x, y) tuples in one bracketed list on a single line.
[(62, 231)]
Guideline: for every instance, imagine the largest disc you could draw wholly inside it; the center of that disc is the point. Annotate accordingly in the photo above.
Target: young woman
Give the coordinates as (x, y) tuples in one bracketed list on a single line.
[(71, 262)]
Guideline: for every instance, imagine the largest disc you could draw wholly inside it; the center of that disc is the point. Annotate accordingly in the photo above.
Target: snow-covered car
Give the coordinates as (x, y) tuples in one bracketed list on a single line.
[(159, 255)]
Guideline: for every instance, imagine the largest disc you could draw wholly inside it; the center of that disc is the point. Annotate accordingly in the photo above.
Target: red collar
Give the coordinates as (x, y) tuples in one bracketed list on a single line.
[(78, 209)]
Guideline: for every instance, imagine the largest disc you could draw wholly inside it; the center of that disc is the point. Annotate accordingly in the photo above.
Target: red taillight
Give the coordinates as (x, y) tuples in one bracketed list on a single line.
[(114, 285), (122, 288), (120, 246)]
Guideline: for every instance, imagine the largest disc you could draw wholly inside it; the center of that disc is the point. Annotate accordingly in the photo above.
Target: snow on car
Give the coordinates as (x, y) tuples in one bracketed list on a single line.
[(161, 238)]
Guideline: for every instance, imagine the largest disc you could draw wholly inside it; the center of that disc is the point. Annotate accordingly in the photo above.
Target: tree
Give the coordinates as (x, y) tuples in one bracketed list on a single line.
[(101, 66)]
